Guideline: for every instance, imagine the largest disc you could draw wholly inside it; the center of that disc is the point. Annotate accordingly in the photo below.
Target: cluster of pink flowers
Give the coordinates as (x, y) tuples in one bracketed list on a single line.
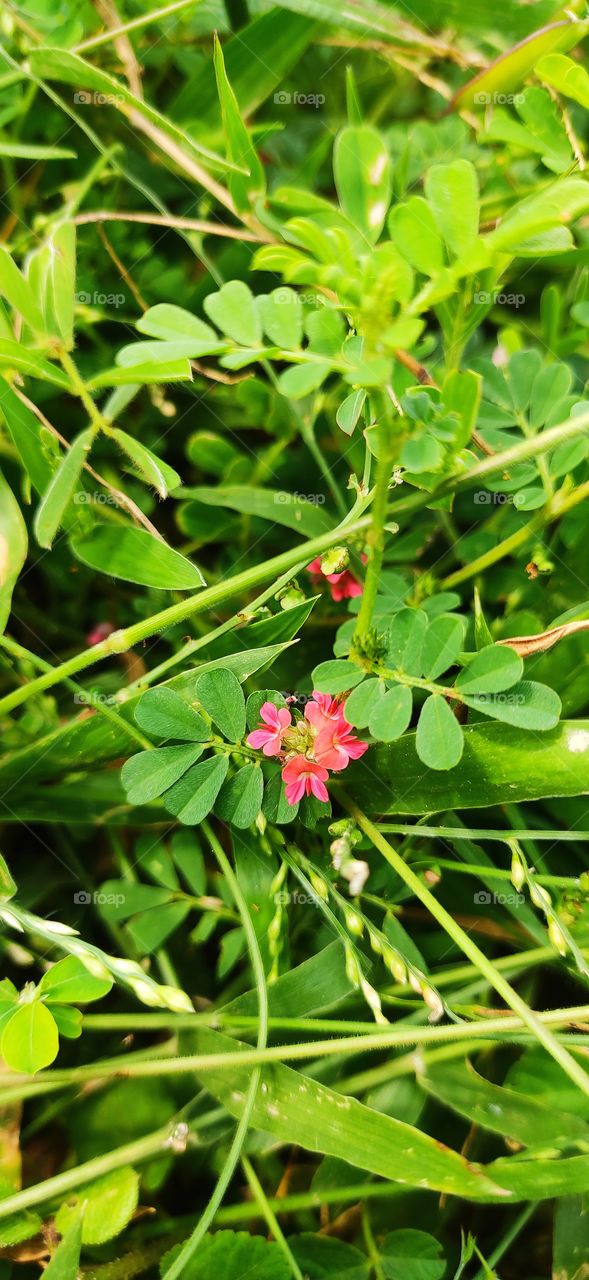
[(343, 586), (310, 747)]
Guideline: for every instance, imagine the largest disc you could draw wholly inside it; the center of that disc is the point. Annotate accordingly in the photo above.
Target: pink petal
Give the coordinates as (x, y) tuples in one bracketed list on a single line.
[(258, 738), (318, 788), (295, 791), (269, 714)]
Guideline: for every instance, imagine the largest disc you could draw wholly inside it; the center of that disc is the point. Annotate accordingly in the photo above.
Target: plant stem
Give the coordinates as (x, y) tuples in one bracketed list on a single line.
[(268, 1214), (209, 598), (479, 833), (538, 1028), (86, 697), (396, 1037), (376, 536), (188, 1250)]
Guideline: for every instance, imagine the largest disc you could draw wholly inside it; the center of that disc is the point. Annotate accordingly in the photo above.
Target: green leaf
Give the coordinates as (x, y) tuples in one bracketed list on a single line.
[(165, 714), (18, 292), (301, 379), (232, 1255), (414, 230), (243, 188), (68, 1020), (453, 194), (363, 702), (523, 1119), (30, 151), (526, 705), (29, 1039), (221, 695), (392, 714), (297, 1109), (57, 262), (349, 411), (189, 859), (322, 1256), (240, 799), (405, 641), (282, 318), (275, 806), (362, 171), (171, 323), (234, 312), (276, 505), (13, 355), (509, 71), (492, 669), (500, 765), (571, 1237), (151, 929), (105, 1207), (63, 65), (13, 548), (439, 739), (156, 472), (442, 643), (412, 1255), (193, 797), (61, 489), (70, 982), (64, 1265), (566, 76), (135, 556), (336, 676), (154, 368), (26, 434), (149, 773)]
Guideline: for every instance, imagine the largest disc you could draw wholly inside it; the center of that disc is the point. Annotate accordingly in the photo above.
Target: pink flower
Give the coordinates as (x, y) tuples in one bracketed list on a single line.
[(322, 710), (269, 740), (336, 745), (304, 777), (343, 586)]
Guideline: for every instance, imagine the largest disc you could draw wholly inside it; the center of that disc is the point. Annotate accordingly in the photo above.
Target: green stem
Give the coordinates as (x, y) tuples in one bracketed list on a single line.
[(188, 1250), (507, 1240), (136, 23), (376, 543), (86, 697), (538, 1028), (396, 1037), (209, 598), (79, 388), (479, 833), (268, 1214)]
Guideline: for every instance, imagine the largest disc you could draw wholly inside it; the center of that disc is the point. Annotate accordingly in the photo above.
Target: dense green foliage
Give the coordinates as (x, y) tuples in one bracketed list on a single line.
[(294, 664)]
